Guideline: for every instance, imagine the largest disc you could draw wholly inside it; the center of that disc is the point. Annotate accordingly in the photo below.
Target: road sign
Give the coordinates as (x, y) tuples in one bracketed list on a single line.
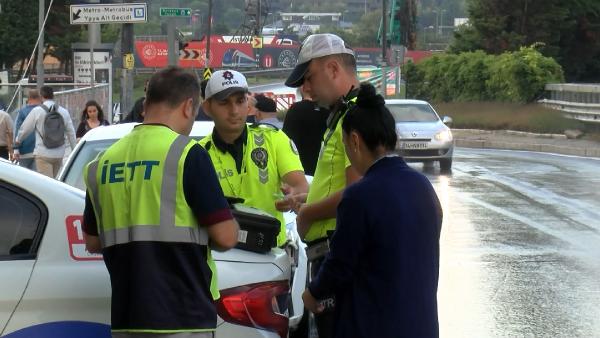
[(207, 73), (175, 11), (111, 13), (82, 70), (128, 61), (257, 42), (189, 54)]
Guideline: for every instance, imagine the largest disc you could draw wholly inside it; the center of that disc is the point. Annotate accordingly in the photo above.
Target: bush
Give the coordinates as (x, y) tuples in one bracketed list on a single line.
[(475, 76)]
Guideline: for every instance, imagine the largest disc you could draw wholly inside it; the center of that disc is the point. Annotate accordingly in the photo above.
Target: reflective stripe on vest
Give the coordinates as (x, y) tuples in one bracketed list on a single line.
[(166, 231)]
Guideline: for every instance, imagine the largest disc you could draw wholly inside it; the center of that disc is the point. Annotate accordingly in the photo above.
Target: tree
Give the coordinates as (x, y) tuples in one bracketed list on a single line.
[(568, 30), (18, 31)]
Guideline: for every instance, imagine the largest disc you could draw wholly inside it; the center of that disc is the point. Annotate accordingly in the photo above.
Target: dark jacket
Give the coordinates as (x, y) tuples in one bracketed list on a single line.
[(305, 124), (384, 262), (135, 115)]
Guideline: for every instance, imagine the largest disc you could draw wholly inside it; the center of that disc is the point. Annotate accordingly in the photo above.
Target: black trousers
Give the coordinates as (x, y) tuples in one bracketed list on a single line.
[(4, 152), (325, 320)]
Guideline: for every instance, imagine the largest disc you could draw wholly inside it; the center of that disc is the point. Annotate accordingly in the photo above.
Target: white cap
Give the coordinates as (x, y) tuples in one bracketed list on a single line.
[(223, 83), (313, 47)]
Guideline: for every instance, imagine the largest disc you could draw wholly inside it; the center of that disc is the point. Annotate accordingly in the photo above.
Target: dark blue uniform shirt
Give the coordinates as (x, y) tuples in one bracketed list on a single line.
[(384, 262)]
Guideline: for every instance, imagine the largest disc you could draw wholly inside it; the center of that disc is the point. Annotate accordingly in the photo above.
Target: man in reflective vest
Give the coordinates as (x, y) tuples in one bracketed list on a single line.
[(327, 71), (254, 162), (153, 208)]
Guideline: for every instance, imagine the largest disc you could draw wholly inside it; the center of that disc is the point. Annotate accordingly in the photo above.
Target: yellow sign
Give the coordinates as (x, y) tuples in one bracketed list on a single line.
[(257, 42), (207, 73), (128, 61)]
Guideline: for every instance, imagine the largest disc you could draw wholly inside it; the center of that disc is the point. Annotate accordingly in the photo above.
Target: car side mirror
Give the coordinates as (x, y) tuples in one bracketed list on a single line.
[(447, 120)]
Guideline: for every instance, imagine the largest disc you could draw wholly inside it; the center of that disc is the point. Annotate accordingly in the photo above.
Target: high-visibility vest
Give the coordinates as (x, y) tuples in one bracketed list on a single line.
[(330, 173), (138, 199), (268, 156)]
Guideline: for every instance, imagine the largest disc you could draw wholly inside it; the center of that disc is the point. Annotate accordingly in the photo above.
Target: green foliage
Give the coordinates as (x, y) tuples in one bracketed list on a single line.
[(18, 31), (569, 31), (476, 76)]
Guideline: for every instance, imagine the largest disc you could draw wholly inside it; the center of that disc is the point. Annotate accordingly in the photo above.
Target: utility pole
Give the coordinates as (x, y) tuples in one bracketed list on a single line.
[(384, 21), (173, 51), (40, 51), (126, 73), (93, 39), (258, 30), (208, 33)]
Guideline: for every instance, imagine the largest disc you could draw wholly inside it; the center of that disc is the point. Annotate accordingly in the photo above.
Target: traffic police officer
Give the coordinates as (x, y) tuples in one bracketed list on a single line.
[(327, 70), (153, 219), (253, 162)]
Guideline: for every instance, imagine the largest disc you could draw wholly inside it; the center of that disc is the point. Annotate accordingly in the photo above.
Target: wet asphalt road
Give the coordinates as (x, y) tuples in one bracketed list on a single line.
[(520, 245)]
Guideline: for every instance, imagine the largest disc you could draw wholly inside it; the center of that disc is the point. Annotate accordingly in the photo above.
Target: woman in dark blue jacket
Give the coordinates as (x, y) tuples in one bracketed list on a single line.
[(383, 265)]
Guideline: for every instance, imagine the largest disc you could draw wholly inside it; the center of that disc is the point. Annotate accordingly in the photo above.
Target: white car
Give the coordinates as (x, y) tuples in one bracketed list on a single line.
[(422, 135), (52, 287)]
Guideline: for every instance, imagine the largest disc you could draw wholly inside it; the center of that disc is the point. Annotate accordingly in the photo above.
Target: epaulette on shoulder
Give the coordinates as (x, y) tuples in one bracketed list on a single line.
[(264, 126)]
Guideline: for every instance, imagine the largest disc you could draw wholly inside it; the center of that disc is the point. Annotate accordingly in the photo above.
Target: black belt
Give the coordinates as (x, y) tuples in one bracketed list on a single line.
[(319, 247)]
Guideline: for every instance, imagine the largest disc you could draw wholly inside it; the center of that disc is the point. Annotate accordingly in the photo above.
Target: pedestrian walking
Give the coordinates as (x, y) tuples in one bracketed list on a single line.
[(51, 124), (154, 199), (383, 266), (305, 123), (253, 162), (92, 116), (6, 135), (327, 70), (23, 153)]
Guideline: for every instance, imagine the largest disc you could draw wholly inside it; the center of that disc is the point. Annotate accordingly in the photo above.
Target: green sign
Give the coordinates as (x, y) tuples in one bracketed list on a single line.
[(175, 11)]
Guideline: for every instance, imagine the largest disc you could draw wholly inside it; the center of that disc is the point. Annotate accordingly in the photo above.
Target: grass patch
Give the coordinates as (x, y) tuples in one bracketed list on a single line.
[(507, 116)]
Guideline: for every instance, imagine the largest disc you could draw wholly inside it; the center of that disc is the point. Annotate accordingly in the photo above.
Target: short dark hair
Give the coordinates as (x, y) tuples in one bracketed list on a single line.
[(265, 104), (348, 61), (203, 88), (47, 92), (172, 86), (371, 119)]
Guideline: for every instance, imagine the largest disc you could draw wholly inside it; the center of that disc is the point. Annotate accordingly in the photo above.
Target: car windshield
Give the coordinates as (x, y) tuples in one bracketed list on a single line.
[(413, 113), (87, 153)]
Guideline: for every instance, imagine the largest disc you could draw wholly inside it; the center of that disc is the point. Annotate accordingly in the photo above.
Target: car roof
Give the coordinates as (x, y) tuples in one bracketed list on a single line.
[(405, 101), (117, 131), (31, 180)]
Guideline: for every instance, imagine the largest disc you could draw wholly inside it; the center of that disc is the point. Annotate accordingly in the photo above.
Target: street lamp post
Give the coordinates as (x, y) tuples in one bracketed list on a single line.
[(40, 51)]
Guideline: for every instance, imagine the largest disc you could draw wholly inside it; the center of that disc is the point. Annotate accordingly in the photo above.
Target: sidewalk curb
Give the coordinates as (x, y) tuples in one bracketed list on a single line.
[(462, 140)]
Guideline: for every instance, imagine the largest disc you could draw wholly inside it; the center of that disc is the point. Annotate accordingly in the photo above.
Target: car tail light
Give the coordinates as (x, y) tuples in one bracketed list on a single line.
[(260, 305)]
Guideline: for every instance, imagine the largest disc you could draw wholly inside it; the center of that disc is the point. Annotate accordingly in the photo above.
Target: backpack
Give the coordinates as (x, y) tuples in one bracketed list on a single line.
[(53, 134)]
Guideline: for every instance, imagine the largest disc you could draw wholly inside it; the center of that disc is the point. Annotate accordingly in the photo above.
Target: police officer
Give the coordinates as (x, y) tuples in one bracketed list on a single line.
[(327, 70), (253, 162), (155, 221)]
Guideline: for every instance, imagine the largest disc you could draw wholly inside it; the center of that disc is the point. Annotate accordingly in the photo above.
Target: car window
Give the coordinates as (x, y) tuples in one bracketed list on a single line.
[(87, 153), (413, 113), (23, 218)]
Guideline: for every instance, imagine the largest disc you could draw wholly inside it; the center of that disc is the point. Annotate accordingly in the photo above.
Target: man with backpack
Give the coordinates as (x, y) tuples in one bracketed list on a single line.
[(51, 123)]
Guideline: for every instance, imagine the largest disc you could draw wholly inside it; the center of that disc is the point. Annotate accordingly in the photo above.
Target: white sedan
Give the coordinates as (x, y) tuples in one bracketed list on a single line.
[(52, 287)]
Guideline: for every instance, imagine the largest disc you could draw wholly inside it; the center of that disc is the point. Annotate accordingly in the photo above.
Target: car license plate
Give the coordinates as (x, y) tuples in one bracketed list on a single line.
[(413, 145)]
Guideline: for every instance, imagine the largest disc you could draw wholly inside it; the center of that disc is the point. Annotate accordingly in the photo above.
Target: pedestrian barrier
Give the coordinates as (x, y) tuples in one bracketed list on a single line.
[(576, 101), (283, 101)]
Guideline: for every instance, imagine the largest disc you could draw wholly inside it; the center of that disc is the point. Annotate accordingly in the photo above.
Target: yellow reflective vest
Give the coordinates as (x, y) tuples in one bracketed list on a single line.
[(268, 156)]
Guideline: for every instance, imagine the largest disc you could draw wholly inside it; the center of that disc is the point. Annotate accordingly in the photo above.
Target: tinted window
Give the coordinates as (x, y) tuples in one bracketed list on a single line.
[(22, 218), (413, 113)]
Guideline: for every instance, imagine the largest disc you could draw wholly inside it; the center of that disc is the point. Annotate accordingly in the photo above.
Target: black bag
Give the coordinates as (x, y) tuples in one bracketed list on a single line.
[(258, 229), (53, 134)]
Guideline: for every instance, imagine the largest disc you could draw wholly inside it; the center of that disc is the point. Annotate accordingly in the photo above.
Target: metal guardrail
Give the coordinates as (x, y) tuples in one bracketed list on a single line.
[(577, 101)]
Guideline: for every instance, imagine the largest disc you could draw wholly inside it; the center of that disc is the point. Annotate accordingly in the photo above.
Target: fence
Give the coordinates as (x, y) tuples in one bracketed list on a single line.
[(73, 99), (577, 101)]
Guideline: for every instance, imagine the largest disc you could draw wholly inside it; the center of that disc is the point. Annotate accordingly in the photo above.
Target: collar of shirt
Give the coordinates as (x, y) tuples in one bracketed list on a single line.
[(236, 149)]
